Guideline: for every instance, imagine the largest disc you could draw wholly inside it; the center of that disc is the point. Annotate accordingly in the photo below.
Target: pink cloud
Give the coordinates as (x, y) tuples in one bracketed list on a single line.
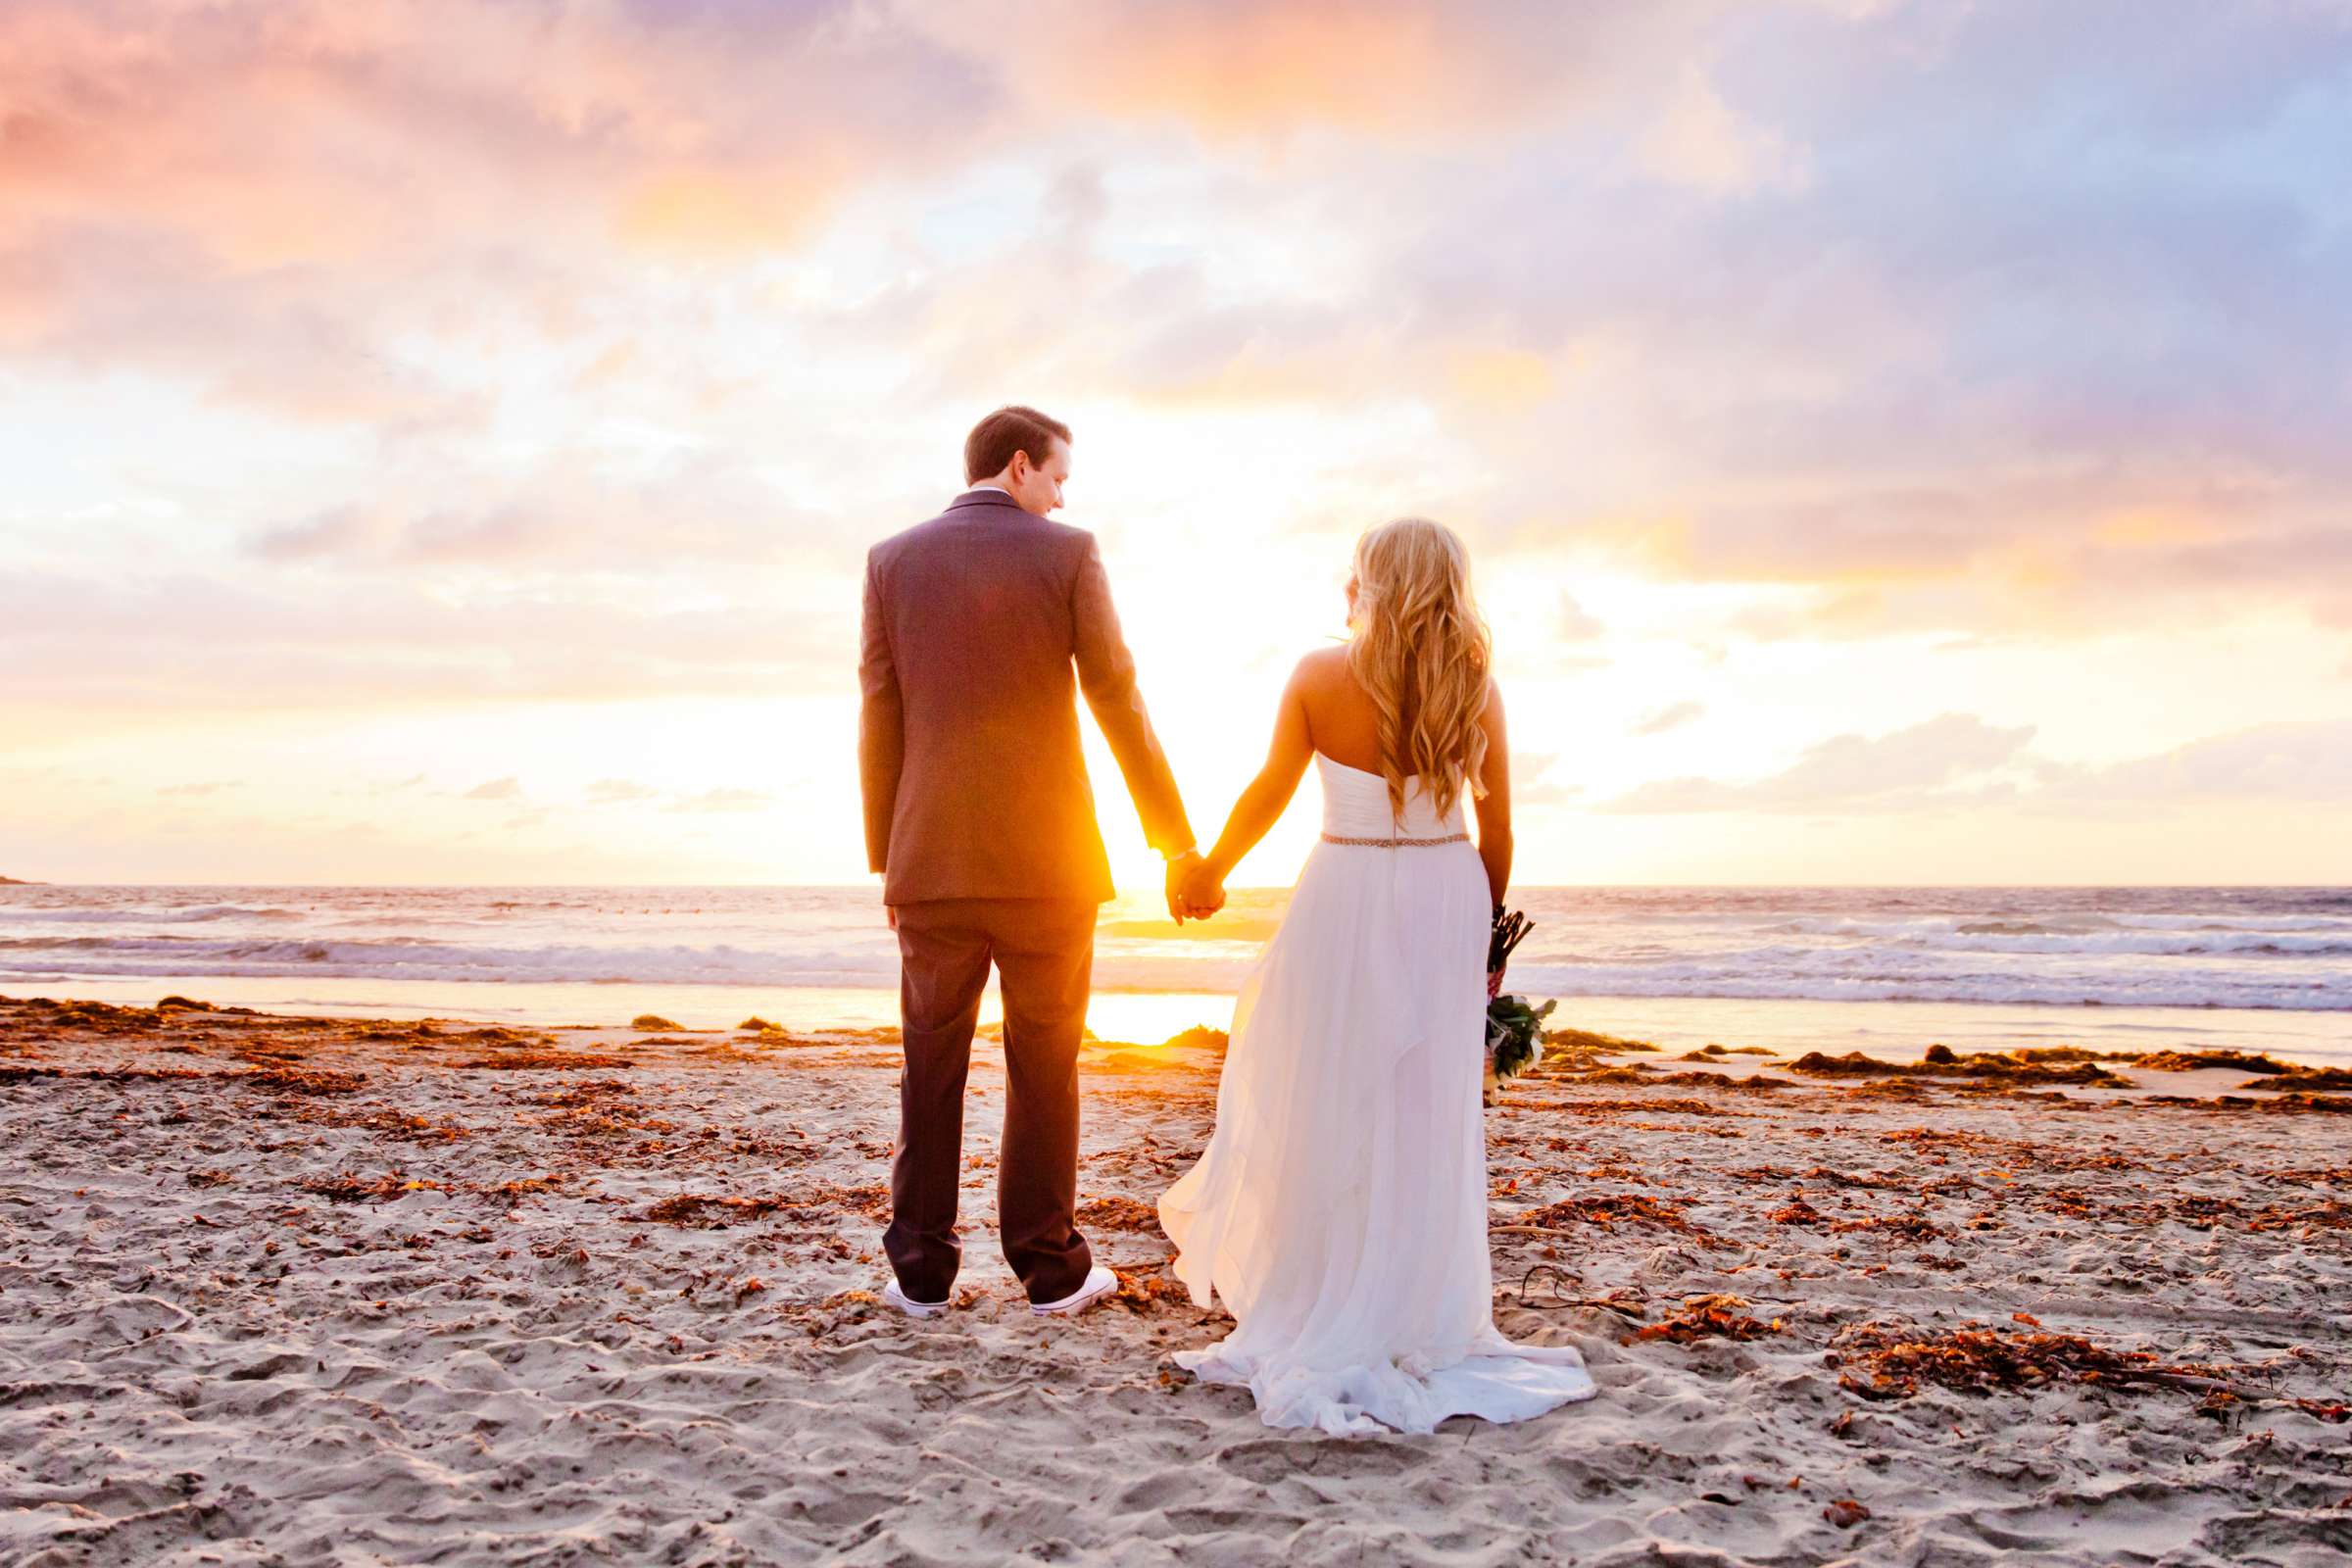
[(280, 133), (99, 644)]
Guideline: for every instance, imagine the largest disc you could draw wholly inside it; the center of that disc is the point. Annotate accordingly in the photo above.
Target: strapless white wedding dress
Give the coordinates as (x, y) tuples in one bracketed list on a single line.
[(1340, 1208)]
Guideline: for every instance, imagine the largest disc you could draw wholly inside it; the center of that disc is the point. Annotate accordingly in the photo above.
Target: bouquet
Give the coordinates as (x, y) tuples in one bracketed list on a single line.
[(1514, 1034), (1514, 1025)]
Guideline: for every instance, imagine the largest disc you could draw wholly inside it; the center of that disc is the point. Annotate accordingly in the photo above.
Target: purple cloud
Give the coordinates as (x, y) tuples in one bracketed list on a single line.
[(1849, 772)]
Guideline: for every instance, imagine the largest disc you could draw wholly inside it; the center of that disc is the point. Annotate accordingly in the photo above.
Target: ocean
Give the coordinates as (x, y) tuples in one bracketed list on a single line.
[(1793, 968)]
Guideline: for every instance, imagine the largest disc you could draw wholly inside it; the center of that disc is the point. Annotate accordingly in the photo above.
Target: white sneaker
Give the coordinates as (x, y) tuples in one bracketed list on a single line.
[(893, 1296), (1099, 1282)]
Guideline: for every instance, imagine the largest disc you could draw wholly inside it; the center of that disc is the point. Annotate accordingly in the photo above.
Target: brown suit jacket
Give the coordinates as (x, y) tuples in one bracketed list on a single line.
[(968, 737)]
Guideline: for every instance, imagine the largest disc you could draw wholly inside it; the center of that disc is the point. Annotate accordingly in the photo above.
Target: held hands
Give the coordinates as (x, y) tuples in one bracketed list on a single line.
[(1203, 892), (1193, 890)]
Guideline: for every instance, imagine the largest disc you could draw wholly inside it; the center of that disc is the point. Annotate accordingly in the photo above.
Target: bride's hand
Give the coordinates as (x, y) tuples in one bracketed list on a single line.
[(1203, 892)]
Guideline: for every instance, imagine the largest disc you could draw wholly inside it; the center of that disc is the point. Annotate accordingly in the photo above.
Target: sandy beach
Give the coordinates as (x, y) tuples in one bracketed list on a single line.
[(304, 1290)]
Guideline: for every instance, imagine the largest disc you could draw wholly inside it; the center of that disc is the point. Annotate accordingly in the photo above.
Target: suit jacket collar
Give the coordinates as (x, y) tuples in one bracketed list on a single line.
[(985, 498)]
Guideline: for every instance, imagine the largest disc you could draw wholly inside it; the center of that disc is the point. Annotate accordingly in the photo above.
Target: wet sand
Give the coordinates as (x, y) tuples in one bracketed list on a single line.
[(311, 1291)]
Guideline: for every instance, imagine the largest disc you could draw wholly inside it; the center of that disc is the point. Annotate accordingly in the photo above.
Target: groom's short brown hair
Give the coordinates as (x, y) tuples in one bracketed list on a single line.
[(1012, 429)]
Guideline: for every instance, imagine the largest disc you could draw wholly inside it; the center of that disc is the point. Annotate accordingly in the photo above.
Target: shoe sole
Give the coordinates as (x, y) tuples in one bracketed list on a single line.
[(1067, 1308), (914, 1309)]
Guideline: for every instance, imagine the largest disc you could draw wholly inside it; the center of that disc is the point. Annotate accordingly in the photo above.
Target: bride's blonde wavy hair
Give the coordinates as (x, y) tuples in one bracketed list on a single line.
[(1421, 652)]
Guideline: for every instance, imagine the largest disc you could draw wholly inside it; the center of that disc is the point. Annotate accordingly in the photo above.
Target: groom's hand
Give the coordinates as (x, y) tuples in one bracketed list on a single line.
[(1181, 867)]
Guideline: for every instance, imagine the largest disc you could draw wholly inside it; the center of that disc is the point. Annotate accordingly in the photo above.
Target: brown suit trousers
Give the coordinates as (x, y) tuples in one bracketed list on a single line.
[(1044, 950), (981, 627)]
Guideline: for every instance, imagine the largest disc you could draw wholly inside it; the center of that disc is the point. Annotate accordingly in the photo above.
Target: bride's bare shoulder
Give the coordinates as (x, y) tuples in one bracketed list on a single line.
[(1326, 684), (1324, 669)]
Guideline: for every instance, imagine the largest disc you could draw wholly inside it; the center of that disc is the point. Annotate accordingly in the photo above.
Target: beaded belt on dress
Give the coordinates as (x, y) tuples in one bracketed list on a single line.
[(1395, 844)]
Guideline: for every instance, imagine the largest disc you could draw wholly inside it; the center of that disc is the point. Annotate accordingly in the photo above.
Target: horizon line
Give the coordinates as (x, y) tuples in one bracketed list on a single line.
[(850, 886)]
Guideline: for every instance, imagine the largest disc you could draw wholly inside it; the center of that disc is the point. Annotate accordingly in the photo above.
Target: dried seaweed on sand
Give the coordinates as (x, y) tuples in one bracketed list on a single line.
[(2192, 1061), (1710, 1317), (585, 1061), (1941, 1063), (1607, 1213), (1886, 1362), (1116, 1213)]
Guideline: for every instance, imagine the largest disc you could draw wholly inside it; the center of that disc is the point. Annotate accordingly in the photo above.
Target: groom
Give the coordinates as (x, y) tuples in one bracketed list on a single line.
[(979, 815)]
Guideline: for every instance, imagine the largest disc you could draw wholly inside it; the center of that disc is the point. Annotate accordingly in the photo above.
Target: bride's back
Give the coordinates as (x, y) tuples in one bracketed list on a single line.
[(1417, 685), (1407, 709), (1344, 723), (1341, 721)]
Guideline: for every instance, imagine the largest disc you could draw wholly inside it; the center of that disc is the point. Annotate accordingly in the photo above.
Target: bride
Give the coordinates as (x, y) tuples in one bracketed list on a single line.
[(1341, 1205)]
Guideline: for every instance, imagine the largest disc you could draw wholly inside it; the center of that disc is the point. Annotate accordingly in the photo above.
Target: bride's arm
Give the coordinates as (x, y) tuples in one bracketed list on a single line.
[(1261, 803), (1494, 806)]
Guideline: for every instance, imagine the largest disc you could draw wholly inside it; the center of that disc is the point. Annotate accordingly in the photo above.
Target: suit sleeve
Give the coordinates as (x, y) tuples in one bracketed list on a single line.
[(1107, 674), (881, 724)]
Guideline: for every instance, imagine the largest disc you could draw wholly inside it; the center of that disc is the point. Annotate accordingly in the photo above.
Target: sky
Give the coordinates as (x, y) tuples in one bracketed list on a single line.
[(1897, 442)]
